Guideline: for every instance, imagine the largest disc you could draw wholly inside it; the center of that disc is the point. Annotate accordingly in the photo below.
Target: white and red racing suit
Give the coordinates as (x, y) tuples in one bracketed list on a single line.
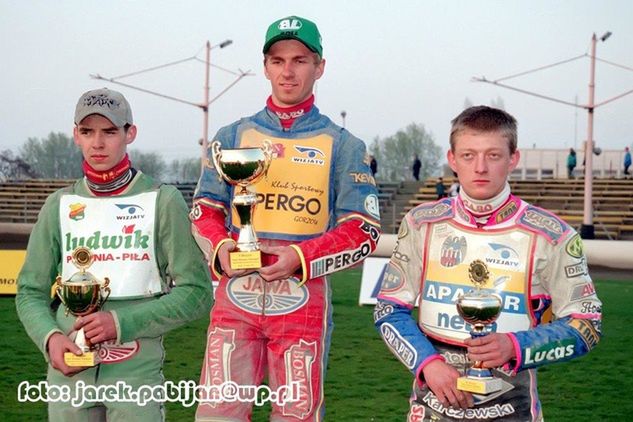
[(536, 263), (319, 197)]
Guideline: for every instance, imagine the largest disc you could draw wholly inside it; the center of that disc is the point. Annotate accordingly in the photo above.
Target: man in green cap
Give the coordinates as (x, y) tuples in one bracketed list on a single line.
[(317, 214)]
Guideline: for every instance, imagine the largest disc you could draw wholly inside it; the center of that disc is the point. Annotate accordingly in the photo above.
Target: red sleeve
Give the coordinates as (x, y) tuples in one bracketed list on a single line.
[(208, 228), (342, 247)]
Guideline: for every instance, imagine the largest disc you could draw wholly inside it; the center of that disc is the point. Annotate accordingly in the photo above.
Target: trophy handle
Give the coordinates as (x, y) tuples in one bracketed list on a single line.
[(58, 288), (216, 155), (267, 148), (105, 287)]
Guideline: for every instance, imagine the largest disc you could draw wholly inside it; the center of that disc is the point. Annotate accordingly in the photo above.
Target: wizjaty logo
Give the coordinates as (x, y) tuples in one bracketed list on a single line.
[(130, 212), (503, 256), (309, 155)]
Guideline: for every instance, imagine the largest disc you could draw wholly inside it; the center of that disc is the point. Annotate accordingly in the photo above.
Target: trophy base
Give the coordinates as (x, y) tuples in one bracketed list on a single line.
[(246, 260), (87, 359), (479, 386)]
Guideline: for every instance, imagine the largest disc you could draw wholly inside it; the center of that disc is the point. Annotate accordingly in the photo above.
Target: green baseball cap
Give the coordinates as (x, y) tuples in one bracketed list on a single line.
[(294, 28), (108, 103)]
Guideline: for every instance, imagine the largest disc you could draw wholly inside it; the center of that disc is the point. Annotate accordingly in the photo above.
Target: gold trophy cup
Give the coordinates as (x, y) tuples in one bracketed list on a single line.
[(242, 167), (82, 294), (479, 308)]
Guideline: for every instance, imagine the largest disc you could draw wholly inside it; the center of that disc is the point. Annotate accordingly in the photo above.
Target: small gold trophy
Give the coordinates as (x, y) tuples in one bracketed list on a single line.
[(242, 167), (479, 308), (82, 294)]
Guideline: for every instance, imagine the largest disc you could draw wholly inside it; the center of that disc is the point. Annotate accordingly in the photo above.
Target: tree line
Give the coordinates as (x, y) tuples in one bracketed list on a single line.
[(57, 157)]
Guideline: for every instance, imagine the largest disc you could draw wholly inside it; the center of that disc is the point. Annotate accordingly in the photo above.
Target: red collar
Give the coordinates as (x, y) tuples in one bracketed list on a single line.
[(287, 115)]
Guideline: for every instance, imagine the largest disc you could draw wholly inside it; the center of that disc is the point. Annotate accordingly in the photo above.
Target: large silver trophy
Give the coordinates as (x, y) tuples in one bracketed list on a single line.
[(479, 308), (82, 294), (242, 167)]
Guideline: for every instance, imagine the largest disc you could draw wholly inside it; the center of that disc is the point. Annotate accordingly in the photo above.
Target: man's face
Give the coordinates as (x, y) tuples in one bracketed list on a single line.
[(102, 144), (292, 70), (482, 161)]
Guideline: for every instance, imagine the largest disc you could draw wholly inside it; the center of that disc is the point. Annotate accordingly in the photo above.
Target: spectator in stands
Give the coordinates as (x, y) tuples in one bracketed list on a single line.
[(571, 163), (373, 165), (627, 161), (417, 165), (280, 324), (440, 189), (489, 238), (140, 232), (453, 190)]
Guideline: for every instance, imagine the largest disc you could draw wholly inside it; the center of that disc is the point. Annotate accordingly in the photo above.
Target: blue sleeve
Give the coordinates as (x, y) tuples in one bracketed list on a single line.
[(403, 336), (558, 341)]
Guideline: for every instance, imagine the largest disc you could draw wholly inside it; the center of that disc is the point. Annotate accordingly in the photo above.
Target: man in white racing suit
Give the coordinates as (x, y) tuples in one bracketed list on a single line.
[(535, 261)]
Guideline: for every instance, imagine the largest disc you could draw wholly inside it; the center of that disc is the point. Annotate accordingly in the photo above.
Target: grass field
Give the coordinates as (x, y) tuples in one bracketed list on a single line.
[(365, 382)]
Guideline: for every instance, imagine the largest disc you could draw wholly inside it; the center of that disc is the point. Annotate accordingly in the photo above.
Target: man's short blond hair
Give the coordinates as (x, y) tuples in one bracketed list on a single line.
[(485, 119)]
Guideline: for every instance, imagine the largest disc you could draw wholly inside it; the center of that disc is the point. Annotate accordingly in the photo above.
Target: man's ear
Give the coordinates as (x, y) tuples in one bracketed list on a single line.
[(130, 135)]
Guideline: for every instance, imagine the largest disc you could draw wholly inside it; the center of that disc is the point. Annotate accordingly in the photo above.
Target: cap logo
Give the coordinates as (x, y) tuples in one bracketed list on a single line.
[(289, 25), (101, 100)]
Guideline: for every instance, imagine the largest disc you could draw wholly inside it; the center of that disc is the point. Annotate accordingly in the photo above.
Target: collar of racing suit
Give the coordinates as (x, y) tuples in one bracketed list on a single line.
[(482, 210), (288, 115)]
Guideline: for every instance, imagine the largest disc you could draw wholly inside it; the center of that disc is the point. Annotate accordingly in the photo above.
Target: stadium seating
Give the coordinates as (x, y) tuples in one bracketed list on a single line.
[(20, 201), (612, 203)]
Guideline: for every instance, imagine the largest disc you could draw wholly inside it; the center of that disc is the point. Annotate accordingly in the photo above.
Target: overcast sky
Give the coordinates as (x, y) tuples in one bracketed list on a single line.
[(389, 63)]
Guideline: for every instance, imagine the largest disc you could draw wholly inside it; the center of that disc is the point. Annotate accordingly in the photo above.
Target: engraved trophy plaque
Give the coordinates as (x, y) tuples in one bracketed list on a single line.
[(82, 294), (242, 167), (479, 308)]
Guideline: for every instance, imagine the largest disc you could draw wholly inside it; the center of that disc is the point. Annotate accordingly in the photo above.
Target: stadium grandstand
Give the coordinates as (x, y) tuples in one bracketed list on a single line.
[(21, 200), (612, 202)]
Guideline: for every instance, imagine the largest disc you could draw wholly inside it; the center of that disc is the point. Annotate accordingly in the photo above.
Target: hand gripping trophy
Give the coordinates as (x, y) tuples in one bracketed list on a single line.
[(479, 308), (242, 167), (82, 294)]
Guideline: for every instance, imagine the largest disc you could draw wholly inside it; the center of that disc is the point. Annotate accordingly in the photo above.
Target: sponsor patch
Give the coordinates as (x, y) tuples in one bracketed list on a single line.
[(392, 279), (309, 155), (381, 310), (399, 345), (587, 331), (503, 256), (416, 413), (374, 233), (589, 307), (548, 353), (196, 212), (582, 291), (542, 222), (256, 296), (363, 178), (496, 411), (76, 211), (338, 261), (217, 359), (506, 212), (130, 212), (574, 247), (298, 360), (372, 206), (112, 352), (453, 251), (576, 270), (433, 211)]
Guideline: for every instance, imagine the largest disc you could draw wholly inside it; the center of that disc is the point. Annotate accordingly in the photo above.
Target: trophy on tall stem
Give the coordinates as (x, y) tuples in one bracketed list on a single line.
[(242, 167), (479, 308), (82, 294)]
